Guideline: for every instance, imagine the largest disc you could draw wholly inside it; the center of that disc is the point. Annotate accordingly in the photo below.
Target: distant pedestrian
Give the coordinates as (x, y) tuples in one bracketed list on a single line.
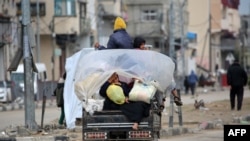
[(59, 93), (192, 80), (186, 84), (237, 79)]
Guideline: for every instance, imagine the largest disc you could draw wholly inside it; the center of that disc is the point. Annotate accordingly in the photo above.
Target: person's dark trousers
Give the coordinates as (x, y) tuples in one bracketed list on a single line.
[(62, 116), (186, 89), (192, 88), (236, 91)]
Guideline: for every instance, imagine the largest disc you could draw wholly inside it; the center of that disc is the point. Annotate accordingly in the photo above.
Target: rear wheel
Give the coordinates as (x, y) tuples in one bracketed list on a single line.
[(155, 136)]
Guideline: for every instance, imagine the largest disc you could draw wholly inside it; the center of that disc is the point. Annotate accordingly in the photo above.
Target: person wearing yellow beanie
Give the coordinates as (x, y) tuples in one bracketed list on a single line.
[(119, 24), (119, 39)]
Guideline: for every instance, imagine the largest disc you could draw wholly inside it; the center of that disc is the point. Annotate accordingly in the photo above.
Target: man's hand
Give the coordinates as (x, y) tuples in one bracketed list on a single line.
[(96, 45), (126, 100)]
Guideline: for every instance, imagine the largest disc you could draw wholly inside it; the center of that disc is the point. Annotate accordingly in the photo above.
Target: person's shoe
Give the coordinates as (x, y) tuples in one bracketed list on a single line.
[(178, 101)]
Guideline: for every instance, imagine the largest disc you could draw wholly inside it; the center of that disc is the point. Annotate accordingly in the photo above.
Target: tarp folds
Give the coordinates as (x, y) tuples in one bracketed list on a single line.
[(88, 70), (96, 67)]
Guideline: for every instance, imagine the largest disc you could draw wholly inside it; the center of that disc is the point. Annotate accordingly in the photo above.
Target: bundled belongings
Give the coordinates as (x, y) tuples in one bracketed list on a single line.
[(142, 92), (115, 94)]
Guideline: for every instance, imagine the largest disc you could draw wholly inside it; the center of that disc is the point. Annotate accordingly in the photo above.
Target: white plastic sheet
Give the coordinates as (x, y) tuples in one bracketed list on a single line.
[(143, 64), (91, 69), (72, 105)]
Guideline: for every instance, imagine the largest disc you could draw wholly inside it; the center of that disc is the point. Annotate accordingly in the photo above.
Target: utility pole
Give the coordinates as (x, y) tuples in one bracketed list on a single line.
[(53, 47), (27, 60), (38, 31), (209, 37), (100, 12), (177, 31), (172, 55)]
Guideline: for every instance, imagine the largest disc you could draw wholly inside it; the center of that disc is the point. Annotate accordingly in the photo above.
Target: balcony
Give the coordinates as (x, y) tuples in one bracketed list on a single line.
[(228, 44), (85, 28), (5, 31), (225, 25)]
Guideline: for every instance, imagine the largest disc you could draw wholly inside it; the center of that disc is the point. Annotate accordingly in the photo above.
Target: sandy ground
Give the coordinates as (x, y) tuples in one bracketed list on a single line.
[(219, 110), (191, 117)]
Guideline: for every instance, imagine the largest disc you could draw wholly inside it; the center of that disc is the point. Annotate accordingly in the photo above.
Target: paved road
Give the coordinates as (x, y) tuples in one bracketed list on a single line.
[(209, 96), (16, 117), (205, 135), (52, 112)]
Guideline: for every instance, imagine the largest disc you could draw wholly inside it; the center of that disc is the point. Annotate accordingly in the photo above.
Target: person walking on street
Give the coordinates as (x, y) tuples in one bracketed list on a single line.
[(186, 84), (236, 79), (59, 92), (192, 80)]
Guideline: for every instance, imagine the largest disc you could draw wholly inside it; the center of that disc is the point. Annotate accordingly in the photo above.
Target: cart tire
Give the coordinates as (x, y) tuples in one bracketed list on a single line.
[(155, 136)]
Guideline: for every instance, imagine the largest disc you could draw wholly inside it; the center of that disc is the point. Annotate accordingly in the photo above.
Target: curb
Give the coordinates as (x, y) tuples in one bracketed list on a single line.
[(174, 131), (16, 106), (206, 125), (166, 132), (44, 138)]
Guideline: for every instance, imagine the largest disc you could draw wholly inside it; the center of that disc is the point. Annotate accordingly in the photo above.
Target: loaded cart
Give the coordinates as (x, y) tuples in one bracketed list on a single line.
[(96, 67), (113, 125)]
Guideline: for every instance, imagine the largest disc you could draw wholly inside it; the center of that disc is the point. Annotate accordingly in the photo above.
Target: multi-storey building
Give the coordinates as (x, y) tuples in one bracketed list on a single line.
[(65, 26), (8, 36), (230, 28), (60, 28), (148, 19), (217, 26), (244, 33), (106, 12)]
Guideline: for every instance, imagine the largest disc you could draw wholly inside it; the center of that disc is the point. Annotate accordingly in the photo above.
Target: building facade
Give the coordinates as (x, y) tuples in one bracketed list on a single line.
[(230, 29), (244, 33), (217, 26), (106, 12), (59, 28), (148, 19), (64, 27), (8, 38)]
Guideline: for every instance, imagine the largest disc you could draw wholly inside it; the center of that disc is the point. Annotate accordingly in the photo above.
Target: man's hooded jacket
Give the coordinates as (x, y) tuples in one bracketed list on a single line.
[(236, 75)]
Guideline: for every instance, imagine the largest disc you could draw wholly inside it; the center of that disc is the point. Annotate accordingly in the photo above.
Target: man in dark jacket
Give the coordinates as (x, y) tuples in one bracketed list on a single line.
[(237, 79), (119, 39), (192, 80)]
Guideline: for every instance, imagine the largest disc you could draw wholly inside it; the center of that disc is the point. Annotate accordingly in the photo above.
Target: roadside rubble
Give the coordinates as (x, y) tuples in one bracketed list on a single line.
[(214, 115), (55, 131), (49, 130)]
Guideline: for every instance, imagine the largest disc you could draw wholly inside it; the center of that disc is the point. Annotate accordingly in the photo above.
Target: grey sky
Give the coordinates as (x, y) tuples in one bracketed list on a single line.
[(244, 8)]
